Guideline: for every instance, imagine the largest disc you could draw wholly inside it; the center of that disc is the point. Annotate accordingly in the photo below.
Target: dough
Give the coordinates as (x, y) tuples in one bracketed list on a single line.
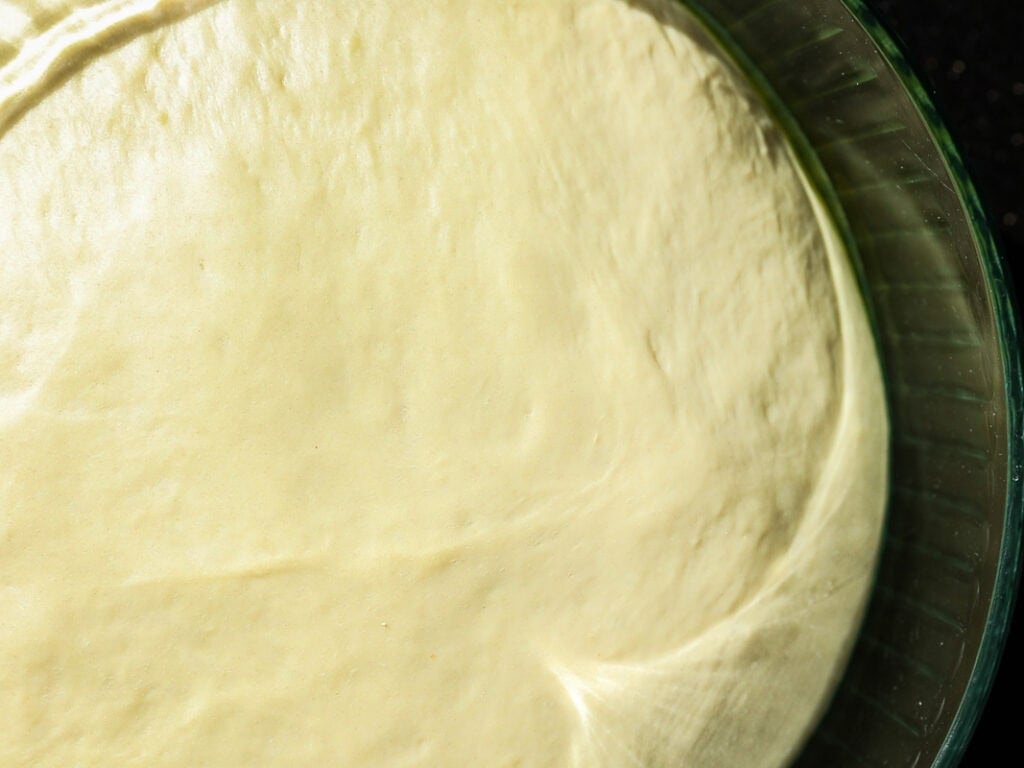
[(432, 383)]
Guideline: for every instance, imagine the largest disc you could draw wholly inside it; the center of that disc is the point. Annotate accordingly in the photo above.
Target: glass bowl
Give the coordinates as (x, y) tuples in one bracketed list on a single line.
[(944, 317), (946, 328)]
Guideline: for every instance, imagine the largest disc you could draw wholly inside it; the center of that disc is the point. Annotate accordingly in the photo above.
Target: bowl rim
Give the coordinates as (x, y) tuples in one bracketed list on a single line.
[(1004, 309), (1004, 302)]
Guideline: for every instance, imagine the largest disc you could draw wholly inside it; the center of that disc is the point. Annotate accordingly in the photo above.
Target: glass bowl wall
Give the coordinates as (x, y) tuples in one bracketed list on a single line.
[(935, 286)]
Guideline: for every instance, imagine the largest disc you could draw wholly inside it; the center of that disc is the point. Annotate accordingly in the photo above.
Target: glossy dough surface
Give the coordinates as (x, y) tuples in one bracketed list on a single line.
[(429, 383)]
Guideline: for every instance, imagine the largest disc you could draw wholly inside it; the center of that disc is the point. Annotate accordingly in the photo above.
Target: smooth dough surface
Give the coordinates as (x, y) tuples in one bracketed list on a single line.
[(434, 383)]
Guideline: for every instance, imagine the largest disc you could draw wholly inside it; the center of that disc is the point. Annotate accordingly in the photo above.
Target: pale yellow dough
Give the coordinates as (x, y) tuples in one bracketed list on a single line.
[(434, 383)]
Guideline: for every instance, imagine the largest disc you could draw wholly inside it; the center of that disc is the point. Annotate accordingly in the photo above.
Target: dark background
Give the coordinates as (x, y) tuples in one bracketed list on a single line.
[(970, 56)]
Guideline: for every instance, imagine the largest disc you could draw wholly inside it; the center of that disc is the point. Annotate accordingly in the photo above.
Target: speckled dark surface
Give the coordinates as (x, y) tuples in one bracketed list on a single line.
[(970, 56)]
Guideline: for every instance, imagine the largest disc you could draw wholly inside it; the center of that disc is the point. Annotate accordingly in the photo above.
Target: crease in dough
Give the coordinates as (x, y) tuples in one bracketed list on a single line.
[(52, 40)]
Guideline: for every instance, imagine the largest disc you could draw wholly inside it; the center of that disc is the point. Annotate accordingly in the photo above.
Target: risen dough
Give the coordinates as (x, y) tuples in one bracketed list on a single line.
[(423, 383)]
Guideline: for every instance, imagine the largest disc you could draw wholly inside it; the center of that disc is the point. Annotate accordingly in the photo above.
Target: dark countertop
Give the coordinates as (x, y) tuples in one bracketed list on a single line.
[(970, 56)]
